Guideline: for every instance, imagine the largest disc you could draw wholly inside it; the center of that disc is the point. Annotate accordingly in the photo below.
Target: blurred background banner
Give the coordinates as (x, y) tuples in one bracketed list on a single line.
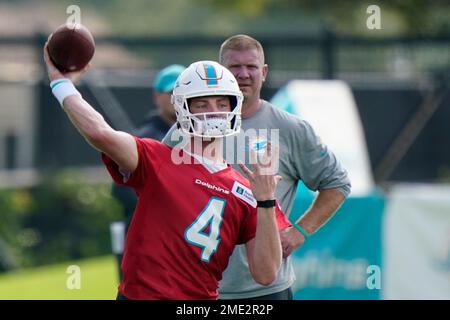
[(416, 242), (343, 260), (376, 93)]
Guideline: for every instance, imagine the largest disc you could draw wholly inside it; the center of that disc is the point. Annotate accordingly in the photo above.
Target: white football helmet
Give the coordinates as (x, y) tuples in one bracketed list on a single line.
[(207, 78)]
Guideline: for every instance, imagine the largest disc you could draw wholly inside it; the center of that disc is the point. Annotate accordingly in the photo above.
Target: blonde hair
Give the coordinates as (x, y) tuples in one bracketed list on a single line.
[(241, 42)]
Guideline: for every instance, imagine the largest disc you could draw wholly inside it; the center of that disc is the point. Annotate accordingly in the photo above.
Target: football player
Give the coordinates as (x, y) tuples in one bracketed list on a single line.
[(190, 213)]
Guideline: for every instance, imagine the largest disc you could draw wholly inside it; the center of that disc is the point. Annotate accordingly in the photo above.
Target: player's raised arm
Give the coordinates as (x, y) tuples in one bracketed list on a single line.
[(119, 146)]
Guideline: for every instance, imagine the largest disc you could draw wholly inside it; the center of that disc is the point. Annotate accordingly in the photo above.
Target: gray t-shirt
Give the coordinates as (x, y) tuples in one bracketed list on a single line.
[(302, 157)]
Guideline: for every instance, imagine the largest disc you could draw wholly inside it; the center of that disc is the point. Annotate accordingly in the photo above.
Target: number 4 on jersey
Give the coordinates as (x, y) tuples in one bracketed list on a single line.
[(210, 216)]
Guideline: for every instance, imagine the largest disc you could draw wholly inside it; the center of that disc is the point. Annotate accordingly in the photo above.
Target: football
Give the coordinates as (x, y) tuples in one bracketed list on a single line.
[(71, 47)]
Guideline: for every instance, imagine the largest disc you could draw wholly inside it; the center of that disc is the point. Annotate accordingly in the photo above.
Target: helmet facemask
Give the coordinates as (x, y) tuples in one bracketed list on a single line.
[(210, 124)]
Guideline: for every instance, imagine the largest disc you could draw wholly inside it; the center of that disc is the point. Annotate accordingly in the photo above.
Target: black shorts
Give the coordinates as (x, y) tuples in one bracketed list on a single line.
[(282, 295)]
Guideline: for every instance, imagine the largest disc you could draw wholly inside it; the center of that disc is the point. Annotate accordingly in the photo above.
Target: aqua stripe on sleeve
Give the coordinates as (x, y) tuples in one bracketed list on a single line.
[(58, 83)]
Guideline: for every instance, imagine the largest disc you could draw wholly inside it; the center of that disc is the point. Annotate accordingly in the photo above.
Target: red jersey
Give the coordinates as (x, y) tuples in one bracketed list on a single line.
[(185, 226)]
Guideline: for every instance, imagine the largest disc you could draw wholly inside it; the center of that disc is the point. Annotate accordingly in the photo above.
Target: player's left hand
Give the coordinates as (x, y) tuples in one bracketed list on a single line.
[(263, 178), (291, 239)]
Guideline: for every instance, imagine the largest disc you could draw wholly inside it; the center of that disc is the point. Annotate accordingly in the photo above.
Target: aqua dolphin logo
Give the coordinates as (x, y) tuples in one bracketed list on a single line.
[(259, 145)]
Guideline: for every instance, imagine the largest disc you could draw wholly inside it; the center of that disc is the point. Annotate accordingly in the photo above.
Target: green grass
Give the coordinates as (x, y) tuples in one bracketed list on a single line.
[(98, 280)]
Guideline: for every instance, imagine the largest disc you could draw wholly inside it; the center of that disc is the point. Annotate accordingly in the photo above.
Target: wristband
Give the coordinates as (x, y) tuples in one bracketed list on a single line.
[(302, 231), (266, 203), (62, 88)]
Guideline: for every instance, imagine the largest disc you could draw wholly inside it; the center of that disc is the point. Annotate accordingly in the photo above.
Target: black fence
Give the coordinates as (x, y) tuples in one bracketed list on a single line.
[(391, 80)]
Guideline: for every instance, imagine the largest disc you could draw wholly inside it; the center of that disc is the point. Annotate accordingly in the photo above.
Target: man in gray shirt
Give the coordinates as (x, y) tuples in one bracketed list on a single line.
[(302, 157)]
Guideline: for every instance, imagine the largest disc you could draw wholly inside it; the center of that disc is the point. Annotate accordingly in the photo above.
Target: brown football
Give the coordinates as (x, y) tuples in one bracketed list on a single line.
[(71, 47)]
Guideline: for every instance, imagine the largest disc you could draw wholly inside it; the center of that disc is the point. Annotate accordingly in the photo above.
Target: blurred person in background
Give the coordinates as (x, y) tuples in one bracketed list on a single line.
[(302, 157), (155, 126)]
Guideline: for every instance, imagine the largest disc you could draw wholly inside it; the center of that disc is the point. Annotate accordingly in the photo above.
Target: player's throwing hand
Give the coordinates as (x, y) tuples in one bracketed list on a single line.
[(54, 73)]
